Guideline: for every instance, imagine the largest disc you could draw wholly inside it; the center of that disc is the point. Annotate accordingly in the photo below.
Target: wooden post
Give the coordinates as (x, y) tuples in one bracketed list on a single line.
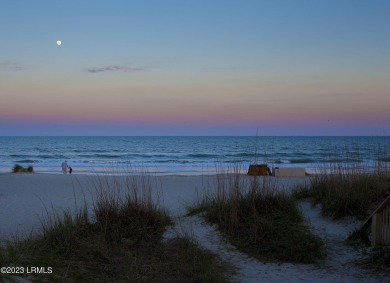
[(386, 225), (376, 229)]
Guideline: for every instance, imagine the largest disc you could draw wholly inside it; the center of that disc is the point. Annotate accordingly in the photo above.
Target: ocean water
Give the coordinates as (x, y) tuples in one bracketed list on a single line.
[(188, 155)]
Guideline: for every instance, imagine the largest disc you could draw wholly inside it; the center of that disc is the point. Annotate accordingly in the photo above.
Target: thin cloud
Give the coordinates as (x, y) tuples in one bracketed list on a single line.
[(228, 69), (113, 68), (11, 66)]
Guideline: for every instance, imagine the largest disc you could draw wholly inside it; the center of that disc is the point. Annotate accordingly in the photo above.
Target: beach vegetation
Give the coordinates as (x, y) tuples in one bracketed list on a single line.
[(373, 257), (260, 219), (345, 189), (20, 169), (380, 257), (118, 239), (342, 195)]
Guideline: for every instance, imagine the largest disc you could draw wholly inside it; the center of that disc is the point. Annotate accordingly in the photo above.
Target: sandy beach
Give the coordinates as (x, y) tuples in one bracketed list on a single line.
[(27, 199)]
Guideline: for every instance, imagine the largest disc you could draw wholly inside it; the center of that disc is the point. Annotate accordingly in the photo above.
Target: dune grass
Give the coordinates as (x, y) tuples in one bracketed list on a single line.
[(345, 191), (260, 219), (345, 188), (380, 257), (118, 240), (353, 195)]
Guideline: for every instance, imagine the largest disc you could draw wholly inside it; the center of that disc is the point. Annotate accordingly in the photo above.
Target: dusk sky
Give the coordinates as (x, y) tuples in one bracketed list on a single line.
[(194, 67)]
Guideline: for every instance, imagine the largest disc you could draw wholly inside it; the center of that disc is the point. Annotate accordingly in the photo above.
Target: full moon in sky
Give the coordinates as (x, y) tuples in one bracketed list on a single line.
[(59, 42)]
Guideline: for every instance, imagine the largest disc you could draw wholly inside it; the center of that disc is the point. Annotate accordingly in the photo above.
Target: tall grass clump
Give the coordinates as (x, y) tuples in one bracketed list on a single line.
[(127, 208), (118, 239), (65, 232), (346, 186), (260, 219), (343, 195), (125, 224)]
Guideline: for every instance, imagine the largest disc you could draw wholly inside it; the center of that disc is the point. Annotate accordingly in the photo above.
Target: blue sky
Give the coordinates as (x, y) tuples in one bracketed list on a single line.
[(194, 67)]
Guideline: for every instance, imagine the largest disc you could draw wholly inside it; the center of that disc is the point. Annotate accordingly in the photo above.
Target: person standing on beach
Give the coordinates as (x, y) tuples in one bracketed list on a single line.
[(64, 166)]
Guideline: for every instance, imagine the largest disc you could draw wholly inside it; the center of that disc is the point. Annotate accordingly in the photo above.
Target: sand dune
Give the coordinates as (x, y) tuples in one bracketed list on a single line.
[(27, 199)]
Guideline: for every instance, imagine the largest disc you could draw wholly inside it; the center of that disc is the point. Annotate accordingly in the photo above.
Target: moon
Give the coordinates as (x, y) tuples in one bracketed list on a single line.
[(59, 42)]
